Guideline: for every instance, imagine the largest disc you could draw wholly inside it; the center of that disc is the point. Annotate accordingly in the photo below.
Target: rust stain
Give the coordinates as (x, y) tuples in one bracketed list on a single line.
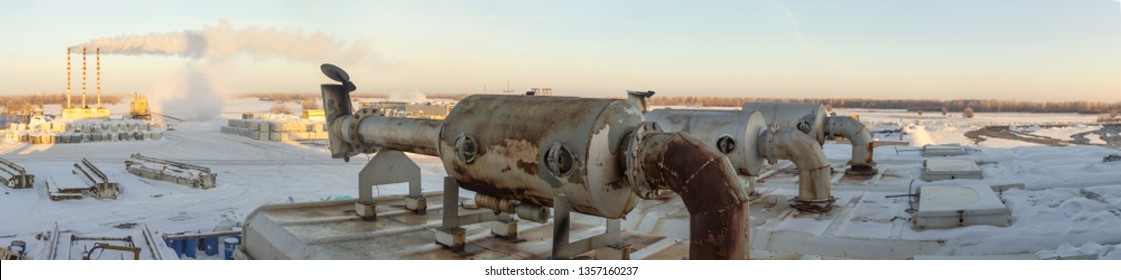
[(514, 131), (871, 148), (528, 167)]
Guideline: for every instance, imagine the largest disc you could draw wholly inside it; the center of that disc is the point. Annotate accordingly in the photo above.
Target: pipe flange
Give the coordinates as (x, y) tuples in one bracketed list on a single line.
[(831, 126), (767, 149), (633, 161), (357, 141), (352, 134), (814, 206), (862, 169)]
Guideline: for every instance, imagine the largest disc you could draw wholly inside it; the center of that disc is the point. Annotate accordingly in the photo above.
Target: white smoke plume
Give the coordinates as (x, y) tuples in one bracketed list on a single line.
[(190, 94), (224, 40), (414, 96), (187, 95)]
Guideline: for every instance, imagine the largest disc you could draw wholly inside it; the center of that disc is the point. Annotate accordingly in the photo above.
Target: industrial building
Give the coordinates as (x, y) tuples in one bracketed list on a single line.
[(424, 110), (83, 123), (84, 111)]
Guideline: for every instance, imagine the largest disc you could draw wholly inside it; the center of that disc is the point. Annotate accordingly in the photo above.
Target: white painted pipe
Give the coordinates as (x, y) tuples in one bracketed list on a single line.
[(813, 168), (858, 135)]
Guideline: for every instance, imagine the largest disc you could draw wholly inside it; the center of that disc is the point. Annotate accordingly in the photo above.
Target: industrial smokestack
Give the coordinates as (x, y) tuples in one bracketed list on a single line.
[(67, 78), (98, 77), (83, 77)]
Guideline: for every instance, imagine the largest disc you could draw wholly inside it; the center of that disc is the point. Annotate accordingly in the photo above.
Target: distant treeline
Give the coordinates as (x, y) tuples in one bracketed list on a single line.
[(283, 97), (927, 105), (300, 97), (23, 102)]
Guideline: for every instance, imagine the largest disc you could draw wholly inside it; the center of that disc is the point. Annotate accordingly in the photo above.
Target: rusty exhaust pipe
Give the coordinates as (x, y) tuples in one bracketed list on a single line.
[(707, 184)]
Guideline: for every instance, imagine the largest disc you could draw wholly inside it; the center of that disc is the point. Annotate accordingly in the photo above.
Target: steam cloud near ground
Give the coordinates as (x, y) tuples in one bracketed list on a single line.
[(190, 94), (414, 96)]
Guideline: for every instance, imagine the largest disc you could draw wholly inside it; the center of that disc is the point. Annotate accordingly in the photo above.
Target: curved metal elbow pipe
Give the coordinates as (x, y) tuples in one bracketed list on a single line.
[(707, 184), (813, 168), (861, 139), (367, 131)]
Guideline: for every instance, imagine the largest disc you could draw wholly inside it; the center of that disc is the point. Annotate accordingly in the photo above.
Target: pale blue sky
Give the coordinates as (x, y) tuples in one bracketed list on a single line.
[(1013, 49)]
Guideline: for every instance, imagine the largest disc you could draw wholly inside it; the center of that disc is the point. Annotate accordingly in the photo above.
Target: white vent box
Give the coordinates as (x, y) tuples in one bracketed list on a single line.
[(943, 150), (949, 169), (956, 206)]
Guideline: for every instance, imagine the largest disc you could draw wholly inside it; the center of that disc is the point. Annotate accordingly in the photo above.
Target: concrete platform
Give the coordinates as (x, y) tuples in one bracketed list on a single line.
[(954, 206), (950, 169)]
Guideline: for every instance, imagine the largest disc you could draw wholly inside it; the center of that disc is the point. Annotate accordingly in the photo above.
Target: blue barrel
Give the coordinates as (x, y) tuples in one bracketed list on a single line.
[(176, 245), (191, 247), (211, 244), (231, 245)]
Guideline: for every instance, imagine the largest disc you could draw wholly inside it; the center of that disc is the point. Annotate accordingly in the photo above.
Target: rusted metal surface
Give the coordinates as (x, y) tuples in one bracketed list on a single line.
[(416, 136), (734, 133), (525, 211), (708, 186), (808, 118), (494, 203), (337, 106), (813, 168), (512, 137)]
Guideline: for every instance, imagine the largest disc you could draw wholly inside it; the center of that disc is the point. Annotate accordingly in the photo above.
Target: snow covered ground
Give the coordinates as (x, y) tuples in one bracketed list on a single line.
[(1071, 203)]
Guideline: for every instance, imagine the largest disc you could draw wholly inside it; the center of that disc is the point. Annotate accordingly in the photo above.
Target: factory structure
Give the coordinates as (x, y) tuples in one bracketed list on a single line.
[(83, 122), (311, 125), (433, 110), (84, 111)]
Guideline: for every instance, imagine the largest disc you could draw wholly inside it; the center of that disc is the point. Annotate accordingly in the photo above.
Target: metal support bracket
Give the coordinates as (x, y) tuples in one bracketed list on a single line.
[(450, 234), (607, 246), (388, 167)]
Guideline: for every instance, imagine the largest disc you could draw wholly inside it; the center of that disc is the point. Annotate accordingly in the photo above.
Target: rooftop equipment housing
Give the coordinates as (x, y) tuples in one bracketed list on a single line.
[(941, 150), (954, 206), (950, 169)]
